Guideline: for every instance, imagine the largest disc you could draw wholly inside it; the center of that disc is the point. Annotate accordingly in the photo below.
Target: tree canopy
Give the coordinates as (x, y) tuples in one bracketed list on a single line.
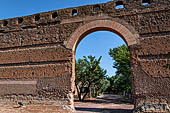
[(88, 72), (121, 81)]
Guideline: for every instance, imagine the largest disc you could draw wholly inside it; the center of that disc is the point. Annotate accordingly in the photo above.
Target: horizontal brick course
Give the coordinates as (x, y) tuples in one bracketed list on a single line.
[(34, 71), (35, 54)]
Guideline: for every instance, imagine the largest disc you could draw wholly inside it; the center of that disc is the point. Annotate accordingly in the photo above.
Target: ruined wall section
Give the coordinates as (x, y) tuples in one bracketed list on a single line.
[(151, 79), (34, 63), (33, 55)]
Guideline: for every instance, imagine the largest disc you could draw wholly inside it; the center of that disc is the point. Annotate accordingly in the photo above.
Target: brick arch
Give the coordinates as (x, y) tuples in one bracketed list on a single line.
[(127, 32)]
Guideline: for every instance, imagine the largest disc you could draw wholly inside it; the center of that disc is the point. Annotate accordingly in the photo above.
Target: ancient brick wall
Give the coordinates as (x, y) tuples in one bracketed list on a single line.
[(37, 51)]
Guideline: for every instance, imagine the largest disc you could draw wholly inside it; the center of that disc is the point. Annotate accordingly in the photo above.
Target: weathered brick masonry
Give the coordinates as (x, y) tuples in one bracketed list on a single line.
[(37, 52)]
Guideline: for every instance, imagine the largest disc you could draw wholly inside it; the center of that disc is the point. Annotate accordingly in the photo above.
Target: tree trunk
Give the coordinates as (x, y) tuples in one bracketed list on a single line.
[(78, 92), (86, 92)]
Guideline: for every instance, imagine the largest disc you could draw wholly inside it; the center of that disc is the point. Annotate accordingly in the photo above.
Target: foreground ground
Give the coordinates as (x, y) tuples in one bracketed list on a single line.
[(30, 109), (103, 104)]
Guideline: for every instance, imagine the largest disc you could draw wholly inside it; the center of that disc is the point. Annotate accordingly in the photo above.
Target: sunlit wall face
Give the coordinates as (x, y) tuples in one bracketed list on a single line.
[(98, 44)]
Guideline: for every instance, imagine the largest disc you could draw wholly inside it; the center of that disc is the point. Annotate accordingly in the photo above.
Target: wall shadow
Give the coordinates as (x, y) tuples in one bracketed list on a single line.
[(101, 110)]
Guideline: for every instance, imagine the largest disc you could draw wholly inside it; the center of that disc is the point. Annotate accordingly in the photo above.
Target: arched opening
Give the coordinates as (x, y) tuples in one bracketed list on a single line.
[(128, 35), (108, 90), (101, 92)]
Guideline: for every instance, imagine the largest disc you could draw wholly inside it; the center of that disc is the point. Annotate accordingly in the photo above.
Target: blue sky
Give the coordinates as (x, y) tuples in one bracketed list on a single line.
[(95, 44), (98, 44)]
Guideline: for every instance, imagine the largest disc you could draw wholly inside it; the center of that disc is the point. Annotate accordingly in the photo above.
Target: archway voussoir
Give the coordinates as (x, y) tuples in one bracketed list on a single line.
[(99, 25), (117, 27)]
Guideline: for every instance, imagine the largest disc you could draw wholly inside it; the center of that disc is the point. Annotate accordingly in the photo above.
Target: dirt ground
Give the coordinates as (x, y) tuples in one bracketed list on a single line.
[(105, 104), (30, 109)]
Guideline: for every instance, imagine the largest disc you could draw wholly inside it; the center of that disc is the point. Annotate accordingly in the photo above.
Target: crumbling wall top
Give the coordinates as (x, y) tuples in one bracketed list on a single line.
[(56, 16)]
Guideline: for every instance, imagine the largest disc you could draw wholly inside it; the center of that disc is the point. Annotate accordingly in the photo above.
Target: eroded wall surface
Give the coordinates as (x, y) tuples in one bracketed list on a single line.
[(36, 65)]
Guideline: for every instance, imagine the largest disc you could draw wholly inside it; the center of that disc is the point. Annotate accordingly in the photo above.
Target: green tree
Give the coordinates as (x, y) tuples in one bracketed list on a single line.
[(102, 86), (88, 73), (110, 88), (121, 56)]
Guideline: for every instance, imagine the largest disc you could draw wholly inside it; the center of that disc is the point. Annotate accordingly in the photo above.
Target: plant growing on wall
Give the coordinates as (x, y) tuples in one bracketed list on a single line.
[(167, 65)]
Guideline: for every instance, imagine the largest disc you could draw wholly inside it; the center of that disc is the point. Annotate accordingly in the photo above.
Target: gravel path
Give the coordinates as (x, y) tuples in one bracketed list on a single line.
[(104, 104)]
